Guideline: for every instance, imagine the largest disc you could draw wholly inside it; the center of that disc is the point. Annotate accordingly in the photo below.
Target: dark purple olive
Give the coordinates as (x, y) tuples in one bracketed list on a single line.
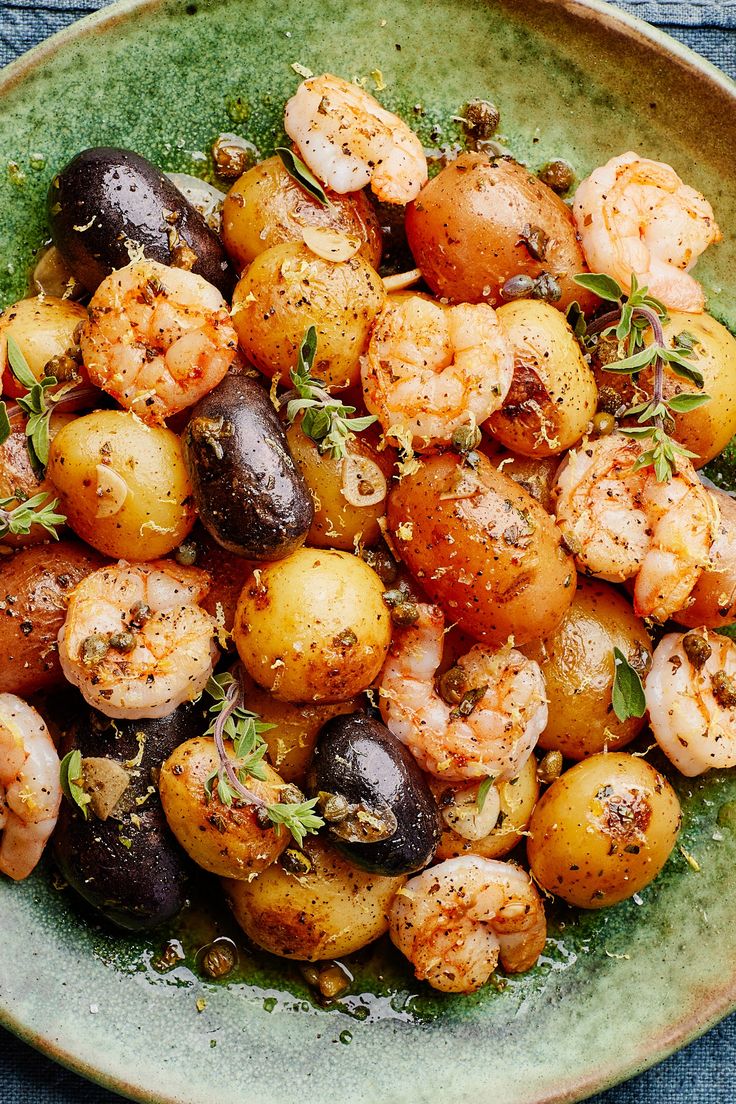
[(108, 204), (249, 493), (128, 866), (374, 798)]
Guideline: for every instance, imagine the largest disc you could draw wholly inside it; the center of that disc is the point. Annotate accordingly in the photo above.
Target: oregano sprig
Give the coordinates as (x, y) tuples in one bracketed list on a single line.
[(37, 404), (37, 510)]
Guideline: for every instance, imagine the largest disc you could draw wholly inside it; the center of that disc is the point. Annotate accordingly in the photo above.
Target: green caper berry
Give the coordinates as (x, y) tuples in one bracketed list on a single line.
[(93, 649), (724, 689), (139, 614), (405, 614), (557, 175), (609, 401), (382, 563), (122, 642), (547, 288), (549, 767), (603, 424), (466, 438), (218, 959), (697, 649), (186, 554), (481, 119), (334, 807), (453, 685)]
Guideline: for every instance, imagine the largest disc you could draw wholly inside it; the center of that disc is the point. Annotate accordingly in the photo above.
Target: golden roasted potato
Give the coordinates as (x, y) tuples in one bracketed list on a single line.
[(483, 549), (289, 288), (603, 830), (122, 484), (331, 910), (712, 602), (497, 827), (553, 394), (536, 474), (266, 207), (578, 665), (225, 839), (44, 328), (313, 626)]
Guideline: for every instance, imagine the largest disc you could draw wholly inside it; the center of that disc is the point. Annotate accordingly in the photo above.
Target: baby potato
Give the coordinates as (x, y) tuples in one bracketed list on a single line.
[(224, 839), (578, 665), (331, 910), (339, 521), (712, 602), (536, 474), (553, 394), (35, 584), (482, 549), (266, 207), (507, 808), (706, 430), (516, 224), (122, 484), (289, 288), (603, 830), (313, 626), (44, 328), (296, 727)]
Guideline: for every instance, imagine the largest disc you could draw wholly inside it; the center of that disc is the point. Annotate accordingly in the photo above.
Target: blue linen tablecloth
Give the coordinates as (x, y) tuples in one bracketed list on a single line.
[(705, 1072)]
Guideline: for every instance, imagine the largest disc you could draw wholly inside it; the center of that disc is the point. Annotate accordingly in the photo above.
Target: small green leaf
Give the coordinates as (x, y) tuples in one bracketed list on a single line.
[(300, 818), (19, 365), (685, 402), (576, 320), (301, 173), (634, 363), (483, 791), (70, 778), (628, 692), (605, 287), (5, 427), (681, 366)]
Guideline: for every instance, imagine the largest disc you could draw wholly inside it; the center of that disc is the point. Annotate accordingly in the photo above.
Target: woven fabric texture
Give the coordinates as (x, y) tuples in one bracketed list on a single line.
[(703, 1073)]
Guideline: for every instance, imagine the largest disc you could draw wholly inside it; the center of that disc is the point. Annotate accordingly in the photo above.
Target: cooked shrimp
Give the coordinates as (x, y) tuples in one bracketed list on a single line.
[(135, 641), (431, 368), (454, 921), (495, 727), (349, 141), (157, 339), (621, 523), (636, 216), (691, 698), (30, 794)]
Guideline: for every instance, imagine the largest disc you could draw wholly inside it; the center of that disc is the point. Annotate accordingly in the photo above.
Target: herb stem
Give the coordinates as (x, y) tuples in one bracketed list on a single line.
[(233, 700)]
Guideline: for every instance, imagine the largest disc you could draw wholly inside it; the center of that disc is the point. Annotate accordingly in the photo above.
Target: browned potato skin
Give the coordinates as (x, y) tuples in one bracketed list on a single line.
[(35, 584), (493, 562), (578, 666), (518, 798), (465, 231), (286, 290), (536, 474), (17, 475), (313, 626), (332, 911), (603, 830), (44, 328), (713, 599), (291, 742), (228, 575), (266, 207), (225, 840), (707, 430), (337, 523), (553, 394)]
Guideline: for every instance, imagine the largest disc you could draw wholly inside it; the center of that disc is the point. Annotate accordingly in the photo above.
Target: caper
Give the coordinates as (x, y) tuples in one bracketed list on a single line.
[(122, 641), (382, 562), (536, 240), (233, 155), (557, 175), (697, 649), (518, 287), (547, 288), (603, 424), (333, 981), (481, 119), (453, 685), (724, 689), (186, 554), (466, 438), (405, 614), (93, 649), (549, 767), (218, 960), (139, 614), (609, 401), (334, 807)]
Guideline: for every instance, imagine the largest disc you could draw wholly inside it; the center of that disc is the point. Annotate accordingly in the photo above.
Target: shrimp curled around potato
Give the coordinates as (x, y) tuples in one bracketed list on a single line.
[(157, 339), (349, 141), (691, 697), (135, 641), (622, 523), (493, 730), (455, 920), (431, 368), (30, 793), (636, 216)]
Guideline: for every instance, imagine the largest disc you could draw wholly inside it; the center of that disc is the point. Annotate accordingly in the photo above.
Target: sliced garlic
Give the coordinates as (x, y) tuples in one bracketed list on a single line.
[(401, 280), (329, 245), (112, 491), (463, 816), (363, 482)]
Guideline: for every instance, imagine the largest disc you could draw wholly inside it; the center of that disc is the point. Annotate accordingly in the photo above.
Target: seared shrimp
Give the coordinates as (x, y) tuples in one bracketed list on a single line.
[(135, 641), (620, 523), (691, 698), (30, 794), (636, 216), (493, 730), (157, 339), (454, 921), (431, 369), (349, 141)]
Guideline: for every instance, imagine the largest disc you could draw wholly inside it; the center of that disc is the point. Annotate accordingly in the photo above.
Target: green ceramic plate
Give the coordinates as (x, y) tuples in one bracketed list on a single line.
[(615, 991)]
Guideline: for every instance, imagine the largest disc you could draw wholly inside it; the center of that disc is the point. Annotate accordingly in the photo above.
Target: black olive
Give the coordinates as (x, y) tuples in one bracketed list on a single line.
[(107, 204), (377, 804), (249, 493)]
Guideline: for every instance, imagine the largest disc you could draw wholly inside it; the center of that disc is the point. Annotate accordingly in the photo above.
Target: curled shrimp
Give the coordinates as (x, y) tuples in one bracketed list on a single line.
[(494, 729), (157, 339), (691, 698), (349, 141), (621, 523), (454, 921), (30, 793), (135, 641), (636, 216), (431, 368)]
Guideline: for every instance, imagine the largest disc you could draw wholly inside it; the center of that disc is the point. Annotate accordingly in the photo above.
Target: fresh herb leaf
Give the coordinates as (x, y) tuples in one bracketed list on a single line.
[(301, 173), (605, 287), (576, 320), (5, 427), (32, 511), (19, 365), (685, 402), (483, 791), (70, 780), (299, 818), (38, 405), (628, 692), (681, 366)]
